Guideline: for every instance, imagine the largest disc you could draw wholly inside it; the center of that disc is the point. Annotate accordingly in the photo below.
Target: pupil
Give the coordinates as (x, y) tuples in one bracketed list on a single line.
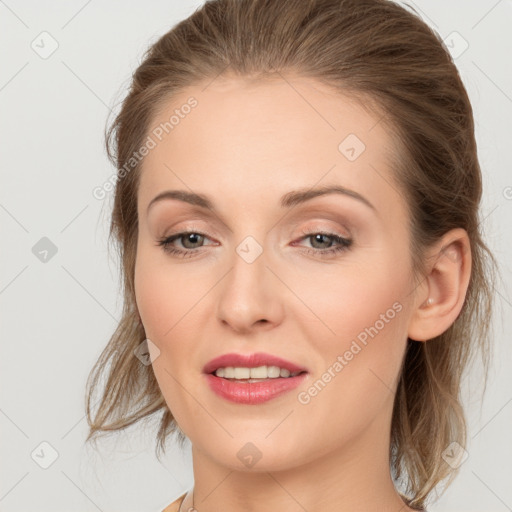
[(318, 238), (190, 238)]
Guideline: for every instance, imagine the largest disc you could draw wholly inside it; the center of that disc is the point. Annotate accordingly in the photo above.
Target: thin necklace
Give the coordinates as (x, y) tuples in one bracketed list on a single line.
[(181, 505)]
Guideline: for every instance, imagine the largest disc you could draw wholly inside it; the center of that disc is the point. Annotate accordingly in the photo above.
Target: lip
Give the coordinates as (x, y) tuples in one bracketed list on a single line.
[(252, 393), (251, 361)]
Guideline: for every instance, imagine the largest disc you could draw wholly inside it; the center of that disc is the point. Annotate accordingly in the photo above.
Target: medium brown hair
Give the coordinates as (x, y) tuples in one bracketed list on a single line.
[(390, 61)]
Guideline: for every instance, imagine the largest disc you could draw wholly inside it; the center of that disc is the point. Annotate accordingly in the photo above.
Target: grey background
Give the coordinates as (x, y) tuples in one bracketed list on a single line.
[(58, 314)]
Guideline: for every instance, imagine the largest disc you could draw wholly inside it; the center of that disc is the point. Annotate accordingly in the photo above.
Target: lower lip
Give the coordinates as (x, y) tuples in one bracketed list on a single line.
[(253, 392)]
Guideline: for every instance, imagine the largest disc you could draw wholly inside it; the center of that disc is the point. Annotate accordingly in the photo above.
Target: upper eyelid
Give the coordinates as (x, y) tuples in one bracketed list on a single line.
[(297, 214), (302, 218), (198, 229)]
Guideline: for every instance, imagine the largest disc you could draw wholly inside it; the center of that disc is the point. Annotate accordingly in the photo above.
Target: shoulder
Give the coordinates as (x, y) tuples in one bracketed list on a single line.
[(175, 505)]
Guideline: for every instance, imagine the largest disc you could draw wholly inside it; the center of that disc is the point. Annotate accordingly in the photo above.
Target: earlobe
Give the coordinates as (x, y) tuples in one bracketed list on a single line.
[(446, 285)]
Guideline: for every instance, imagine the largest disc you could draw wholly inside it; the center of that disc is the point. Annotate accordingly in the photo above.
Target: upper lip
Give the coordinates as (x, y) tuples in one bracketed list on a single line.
[(251, 361)]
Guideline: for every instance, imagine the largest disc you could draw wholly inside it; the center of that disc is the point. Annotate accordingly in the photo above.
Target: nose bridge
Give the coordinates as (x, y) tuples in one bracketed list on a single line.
[(249, 293)]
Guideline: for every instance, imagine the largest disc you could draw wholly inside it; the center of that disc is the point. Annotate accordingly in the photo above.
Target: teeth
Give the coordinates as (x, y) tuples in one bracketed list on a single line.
[(261, 372)]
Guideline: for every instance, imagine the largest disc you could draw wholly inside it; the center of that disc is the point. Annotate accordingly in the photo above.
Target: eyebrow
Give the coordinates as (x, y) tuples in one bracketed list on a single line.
[(288, 200)]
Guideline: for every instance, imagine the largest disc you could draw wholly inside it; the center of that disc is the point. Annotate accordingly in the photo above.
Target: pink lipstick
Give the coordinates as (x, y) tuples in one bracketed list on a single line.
[(246, 389)]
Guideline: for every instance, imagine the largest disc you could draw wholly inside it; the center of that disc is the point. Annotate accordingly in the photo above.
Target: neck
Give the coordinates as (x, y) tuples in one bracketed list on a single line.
[(353, 477)]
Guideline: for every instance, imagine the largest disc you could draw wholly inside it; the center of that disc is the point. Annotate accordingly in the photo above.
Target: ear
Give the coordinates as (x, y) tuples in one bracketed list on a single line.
[(445, 284)]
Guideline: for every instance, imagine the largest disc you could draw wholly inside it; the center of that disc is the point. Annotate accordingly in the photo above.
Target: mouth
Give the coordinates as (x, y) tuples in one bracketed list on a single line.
[(252, 379)]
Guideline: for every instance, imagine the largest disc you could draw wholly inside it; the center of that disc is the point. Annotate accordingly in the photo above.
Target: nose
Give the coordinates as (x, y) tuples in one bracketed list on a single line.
[(250, 296)]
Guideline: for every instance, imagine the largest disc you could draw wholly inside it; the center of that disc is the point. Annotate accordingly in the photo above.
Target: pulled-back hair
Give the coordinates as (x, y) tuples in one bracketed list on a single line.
[(386, 58)]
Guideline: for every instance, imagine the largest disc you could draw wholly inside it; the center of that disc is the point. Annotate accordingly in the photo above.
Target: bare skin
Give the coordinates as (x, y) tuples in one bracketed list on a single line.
[(245, 145)]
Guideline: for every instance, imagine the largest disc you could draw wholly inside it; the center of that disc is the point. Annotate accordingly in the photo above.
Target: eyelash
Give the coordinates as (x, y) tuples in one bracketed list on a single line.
[(343, 244)]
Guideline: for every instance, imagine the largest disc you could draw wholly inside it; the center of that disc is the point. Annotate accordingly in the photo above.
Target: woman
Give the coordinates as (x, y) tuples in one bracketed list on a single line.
[(305, 281)]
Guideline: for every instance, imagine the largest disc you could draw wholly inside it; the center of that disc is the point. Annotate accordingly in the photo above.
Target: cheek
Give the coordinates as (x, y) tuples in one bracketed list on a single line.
[(360, 363), (346, 300), (161, 310), (167, 298), (154, 295), (359, 326)]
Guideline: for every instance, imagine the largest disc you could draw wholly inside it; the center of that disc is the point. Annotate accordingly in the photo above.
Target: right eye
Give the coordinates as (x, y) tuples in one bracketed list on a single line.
[(186, 238)]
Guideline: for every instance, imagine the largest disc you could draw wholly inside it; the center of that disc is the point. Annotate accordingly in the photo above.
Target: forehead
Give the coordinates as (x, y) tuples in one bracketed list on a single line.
[(254, 136)]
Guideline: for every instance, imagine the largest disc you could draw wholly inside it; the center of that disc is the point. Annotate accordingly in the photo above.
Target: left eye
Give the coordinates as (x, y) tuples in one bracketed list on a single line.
[(341, 243)]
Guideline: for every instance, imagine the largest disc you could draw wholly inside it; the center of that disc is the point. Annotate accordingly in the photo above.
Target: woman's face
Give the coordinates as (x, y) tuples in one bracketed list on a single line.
[(260, 277)]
